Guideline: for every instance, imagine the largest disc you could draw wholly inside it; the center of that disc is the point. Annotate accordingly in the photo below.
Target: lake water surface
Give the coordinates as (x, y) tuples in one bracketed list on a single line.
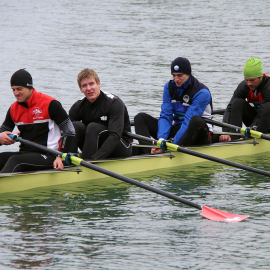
[(131, 45)]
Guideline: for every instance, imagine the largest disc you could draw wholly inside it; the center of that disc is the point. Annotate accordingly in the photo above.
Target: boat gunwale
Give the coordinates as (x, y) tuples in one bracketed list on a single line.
[(169, 154), (24, 181)]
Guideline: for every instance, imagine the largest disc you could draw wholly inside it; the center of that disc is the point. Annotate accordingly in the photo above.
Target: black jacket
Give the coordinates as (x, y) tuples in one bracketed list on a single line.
[(242, 92), (108, 110)]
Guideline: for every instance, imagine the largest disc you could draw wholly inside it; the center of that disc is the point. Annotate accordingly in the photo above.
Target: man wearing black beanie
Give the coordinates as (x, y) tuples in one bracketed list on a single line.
[(185, 102), (39, 118)]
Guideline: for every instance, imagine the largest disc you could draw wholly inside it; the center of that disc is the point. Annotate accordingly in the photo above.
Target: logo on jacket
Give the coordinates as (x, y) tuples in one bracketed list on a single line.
[(109, 95), (186, 99), (103, 118), (37, 113)]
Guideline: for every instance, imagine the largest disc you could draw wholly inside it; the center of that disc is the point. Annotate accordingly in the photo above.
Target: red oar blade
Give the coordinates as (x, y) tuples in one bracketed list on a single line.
[(218, 215)]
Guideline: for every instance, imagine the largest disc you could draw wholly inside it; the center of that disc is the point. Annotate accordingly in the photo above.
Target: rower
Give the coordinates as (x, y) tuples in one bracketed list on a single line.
[(99, 120), (39, 118), (250, 103), (185, 102)]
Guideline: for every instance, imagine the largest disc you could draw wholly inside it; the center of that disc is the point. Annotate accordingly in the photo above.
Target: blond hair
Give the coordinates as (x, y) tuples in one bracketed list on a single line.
[(87, 73)]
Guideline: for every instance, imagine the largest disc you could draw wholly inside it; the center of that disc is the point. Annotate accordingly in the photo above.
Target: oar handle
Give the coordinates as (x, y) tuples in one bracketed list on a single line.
[(220, 124), (139, 137), (220, 111), (35, 145), (253, 133)]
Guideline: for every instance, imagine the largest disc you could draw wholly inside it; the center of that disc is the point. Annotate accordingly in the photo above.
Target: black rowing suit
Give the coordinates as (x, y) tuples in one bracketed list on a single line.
[(107, 115)]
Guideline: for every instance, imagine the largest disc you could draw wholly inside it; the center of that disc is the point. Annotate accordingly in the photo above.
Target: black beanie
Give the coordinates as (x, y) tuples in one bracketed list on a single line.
[(21, 78), (181, 65)]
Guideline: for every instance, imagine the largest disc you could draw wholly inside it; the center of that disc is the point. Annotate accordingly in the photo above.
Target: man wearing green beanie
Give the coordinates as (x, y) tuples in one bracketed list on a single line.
[(250, 103)]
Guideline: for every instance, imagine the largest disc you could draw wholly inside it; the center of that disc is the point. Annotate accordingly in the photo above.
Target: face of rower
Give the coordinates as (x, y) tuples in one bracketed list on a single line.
[(90, 89), (253, 83), (22, 94), (179, 78)]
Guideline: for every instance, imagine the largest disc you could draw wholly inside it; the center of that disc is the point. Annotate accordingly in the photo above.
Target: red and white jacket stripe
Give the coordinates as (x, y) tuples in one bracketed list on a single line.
[(34, 122)]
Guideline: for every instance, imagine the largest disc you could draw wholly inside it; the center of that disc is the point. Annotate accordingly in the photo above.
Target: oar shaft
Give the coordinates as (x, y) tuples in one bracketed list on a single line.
[(137, 183), (253, 133), (174, 147), (220, 111), (220, 124), (223, 161), (78, 161)]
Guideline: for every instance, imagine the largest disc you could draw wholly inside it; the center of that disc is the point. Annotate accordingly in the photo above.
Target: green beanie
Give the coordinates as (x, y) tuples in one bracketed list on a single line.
[(253, 68)]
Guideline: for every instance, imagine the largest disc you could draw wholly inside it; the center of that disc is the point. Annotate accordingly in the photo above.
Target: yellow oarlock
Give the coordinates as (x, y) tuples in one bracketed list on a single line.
[(253, 133), (170, 146), (74, 160)]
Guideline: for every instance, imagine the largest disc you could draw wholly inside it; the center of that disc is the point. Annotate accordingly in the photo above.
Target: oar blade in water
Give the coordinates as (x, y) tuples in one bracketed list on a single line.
[(218, 215)]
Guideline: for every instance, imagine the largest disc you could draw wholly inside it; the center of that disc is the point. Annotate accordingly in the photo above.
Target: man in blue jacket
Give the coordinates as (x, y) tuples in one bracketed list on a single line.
[(185, 102)]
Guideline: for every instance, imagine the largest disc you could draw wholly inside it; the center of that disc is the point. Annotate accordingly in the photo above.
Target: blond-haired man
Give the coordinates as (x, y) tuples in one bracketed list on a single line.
[(99, 120)]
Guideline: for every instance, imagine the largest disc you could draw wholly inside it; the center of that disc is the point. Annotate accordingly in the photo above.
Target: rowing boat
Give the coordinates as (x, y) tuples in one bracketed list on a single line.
[(24, 181)]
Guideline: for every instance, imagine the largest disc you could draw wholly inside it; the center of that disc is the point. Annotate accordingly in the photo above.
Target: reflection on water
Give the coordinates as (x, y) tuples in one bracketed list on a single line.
[(89, 222)]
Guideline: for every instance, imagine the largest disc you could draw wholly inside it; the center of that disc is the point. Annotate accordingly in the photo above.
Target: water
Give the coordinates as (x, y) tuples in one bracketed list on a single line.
[(131, 45)]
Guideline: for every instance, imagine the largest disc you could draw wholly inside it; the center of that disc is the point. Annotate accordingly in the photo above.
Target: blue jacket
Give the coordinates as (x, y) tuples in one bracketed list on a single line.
[(193, 99)]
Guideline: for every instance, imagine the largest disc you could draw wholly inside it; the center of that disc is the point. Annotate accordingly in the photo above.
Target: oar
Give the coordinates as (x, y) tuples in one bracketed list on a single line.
[(253, 133), (177, 148), (207, 212), (220, 111)]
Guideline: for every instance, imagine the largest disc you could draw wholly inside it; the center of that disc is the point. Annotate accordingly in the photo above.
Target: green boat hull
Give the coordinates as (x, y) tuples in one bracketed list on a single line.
[(129, 166)]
